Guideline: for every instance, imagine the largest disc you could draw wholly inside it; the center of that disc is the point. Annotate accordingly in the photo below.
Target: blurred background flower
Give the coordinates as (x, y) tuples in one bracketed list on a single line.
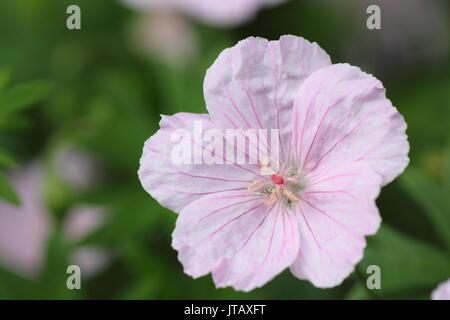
[(220, 12), (412, 32), (26, 228), (77, 106), (165, 36)]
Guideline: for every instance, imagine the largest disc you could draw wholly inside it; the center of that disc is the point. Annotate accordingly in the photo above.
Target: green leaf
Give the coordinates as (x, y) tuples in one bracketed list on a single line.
[(358, 292), (430, 197), (23, 95), (6, 160), (54, 275), (14, 122), (6, 190), (5, 75), (147, 287), (405, 263), (16, 287)]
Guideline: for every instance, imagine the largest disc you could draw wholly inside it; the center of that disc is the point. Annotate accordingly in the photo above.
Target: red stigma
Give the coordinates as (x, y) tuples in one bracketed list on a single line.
[(277, 179)]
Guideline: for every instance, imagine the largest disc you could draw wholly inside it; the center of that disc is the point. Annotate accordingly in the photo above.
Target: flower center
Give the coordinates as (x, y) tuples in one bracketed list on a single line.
[(281, 187)]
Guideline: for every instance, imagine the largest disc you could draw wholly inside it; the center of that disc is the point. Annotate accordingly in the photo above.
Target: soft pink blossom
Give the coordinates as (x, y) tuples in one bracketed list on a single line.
[(218, 12), (341, 140), (25, 229), (164, 35), (82, 220), (442, 292), (77, 168), (90, 259)]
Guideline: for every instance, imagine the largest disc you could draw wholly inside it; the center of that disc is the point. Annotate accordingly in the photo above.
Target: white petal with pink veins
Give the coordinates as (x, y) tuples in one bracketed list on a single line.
[(214, 227), (341, 114), (177, 185), (272, 247), (253, 84), (335, 212)]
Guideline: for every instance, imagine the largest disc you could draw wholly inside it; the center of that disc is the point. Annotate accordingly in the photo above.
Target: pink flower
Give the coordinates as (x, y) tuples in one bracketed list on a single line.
[(219, 12), (90, 259), (76, 167), (442, 292), (340, 138), (82, 220), (25, 229), (166, 36)]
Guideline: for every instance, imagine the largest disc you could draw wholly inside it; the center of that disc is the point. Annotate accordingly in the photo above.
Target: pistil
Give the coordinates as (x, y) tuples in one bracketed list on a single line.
[(277, 188)]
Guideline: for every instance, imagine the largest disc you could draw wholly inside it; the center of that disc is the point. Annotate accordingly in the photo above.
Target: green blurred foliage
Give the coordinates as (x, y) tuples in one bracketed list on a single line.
[(100, 95)]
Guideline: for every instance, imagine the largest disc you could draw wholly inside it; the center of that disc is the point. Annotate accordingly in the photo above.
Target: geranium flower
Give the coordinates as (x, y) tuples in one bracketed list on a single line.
[(25, 229), (218, 12), (442, 292), (340, 140)]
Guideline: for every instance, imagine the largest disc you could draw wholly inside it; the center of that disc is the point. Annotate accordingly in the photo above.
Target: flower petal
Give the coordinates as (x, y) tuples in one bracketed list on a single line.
[(273, 246), (253, 84), (214, 227), (341, 114), (335, 212), (177, 185), (347, 195), (442, 292)]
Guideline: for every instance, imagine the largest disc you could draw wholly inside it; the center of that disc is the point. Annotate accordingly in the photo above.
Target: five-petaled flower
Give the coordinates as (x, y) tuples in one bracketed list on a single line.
[(341, 140)]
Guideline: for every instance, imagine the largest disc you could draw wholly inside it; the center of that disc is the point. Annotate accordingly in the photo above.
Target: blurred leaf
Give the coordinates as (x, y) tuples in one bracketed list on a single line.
[(54, 276), (429, 195), (23, 95), (15, 287), (146, 217), (358, 292), (119, 121), (6, 190), (447, 171), (14, 122), (405, 263), (6, 160), (146, 287), (4, 77)]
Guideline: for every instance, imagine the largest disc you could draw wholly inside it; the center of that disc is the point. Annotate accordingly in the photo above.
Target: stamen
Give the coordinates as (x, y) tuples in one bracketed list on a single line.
[(278, 192), (256, 185), (289, 195), (273, 197), (293, 172)]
